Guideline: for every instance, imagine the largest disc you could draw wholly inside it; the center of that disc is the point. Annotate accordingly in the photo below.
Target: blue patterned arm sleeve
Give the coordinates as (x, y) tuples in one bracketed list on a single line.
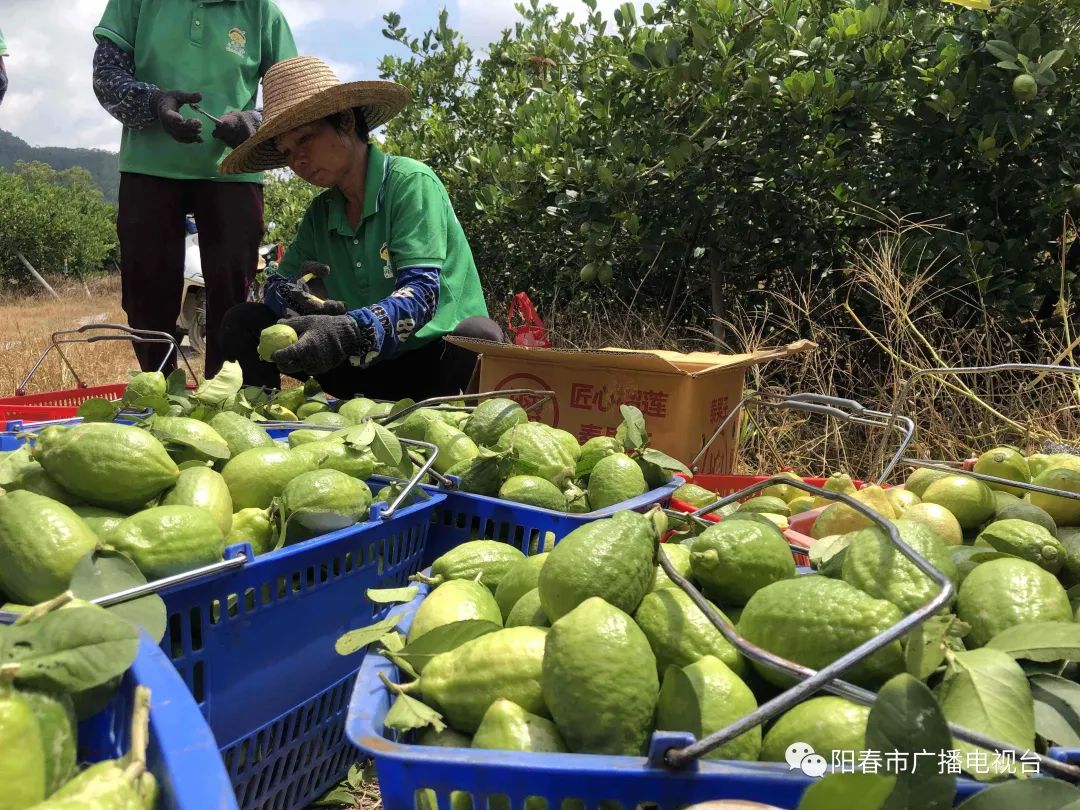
[(126, 99), (3, 79), (385, 326)]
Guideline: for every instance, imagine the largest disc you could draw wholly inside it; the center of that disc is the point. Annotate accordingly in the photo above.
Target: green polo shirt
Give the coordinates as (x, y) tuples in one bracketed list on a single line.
[(220, 48), (3, 45), (407, 221)]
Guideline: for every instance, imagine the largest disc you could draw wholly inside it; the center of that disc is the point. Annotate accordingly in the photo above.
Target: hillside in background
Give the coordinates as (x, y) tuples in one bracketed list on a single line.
[(101, 165)]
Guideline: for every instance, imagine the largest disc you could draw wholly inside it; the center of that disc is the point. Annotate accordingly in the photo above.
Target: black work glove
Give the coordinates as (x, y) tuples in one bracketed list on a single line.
[(300, 298), (326, 341), (167, 105), (235, 128)]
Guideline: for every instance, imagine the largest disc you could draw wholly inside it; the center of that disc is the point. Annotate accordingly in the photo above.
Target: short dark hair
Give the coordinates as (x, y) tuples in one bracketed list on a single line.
[(337, 121)]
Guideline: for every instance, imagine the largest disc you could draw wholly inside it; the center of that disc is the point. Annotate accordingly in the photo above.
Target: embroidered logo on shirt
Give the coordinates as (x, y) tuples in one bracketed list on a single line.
[(384, 254), (237, 42)]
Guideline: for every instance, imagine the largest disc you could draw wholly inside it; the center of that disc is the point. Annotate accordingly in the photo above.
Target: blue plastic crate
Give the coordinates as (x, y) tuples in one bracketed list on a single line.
[(182, 754), (255, 646), (405, 769), (464, 516)]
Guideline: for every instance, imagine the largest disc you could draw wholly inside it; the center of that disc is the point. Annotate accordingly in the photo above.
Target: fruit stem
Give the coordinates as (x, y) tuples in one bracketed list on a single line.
[(398, 688), (432, 582), (39, 610), (140, 732), (7, 676)]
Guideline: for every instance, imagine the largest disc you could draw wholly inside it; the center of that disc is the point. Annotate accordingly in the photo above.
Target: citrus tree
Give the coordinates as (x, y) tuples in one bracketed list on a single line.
[(57, 220), (702, 150)]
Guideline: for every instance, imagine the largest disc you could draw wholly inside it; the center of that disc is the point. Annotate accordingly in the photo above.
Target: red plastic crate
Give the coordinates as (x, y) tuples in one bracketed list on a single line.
[(50, 405)]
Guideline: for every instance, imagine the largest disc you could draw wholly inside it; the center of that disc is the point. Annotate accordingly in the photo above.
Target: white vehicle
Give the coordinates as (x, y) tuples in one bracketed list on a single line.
[(193, 299)]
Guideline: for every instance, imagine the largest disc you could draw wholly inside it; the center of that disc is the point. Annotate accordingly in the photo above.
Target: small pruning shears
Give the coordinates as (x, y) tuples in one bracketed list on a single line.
[(201, 111)]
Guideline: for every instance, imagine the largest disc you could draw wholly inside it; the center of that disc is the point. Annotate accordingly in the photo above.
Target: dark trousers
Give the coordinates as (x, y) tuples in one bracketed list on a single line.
[(150, 224), (435, 369)]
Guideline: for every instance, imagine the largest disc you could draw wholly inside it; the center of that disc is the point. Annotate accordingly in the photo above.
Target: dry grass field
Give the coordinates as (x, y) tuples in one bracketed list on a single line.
[(27, 323)]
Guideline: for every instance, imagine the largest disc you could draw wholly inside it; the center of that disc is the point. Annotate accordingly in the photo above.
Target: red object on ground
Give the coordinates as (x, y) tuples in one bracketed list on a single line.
[(530, 332)]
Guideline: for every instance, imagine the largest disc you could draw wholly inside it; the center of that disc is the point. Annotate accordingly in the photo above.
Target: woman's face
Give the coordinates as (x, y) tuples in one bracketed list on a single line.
[(319, 153)]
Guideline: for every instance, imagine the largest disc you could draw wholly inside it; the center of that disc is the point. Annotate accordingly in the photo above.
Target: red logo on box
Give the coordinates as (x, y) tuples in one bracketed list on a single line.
[(549, 408)]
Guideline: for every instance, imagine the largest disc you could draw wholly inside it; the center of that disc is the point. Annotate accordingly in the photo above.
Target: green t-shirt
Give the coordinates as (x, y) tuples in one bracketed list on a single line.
[(407, 221), (220, 48), (3, 45)]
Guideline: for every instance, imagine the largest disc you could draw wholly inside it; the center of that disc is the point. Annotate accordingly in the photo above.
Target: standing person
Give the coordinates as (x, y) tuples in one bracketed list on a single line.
[(152, 59), (383, 238), (3, 68)]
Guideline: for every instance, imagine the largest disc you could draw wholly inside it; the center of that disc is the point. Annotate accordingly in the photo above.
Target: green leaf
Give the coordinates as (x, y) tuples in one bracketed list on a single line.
[(924, 650), (151, 403), (337, 797), (1057, 709), (223, 385), (1030, 794), (393, 642), (106, 572), (385, 596), (664, 461), (312, 388), (1040, 641), (986, 691), (399, 406), (443, 639), (823, 550), (1001, 49), (70, 649), (210, 449), (385, 446), (851, 791), (1050, 59), (176, 383), (633, 426), (408, 714), (640, 61), (906, 718), (356, 640), (97, 409), (979, 5), (362, 436)]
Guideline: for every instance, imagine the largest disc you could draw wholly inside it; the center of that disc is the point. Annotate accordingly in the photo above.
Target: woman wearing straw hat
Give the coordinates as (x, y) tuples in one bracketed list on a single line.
[(383, 239)]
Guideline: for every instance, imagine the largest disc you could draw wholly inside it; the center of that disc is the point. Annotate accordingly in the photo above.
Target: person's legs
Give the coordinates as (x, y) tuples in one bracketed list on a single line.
[(456, 369), (230, 221), (409, 375), (238, 335), (150, 226)]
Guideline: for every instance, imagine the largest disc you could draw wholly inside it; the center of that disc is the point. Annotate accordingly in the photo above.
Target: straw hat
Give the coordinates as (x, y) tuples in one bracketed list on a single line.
[(301, 90)]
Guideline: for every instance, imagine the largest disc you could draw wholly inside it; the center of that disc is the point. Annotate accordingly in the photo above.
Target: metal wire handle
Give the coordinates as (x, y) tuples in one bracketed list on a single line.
[(126, 333), (846, 410), (947, 466), (827, 678)]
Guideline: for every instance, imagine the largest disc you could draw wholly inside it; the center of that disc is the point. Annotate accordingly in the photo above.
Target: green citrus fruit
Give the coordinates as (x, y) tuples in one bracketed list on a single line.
[(921, 478), (939, 519), (1002, 593), (1004, 462), (1064, 511), (274, 338), (1025, 88), (874, 565), (733, 559), (826, 724), (971, 501)]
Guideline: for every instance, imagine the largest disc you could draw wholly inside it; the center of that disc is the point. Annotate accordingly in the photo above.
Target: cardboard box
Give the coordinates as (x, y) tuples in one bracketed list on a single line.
[(684, 397)]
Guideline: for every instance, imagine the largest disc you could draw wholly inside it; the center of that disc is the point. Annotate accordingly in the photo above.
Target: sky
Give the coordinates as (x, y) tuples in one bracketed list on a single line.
[(50, 101)]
